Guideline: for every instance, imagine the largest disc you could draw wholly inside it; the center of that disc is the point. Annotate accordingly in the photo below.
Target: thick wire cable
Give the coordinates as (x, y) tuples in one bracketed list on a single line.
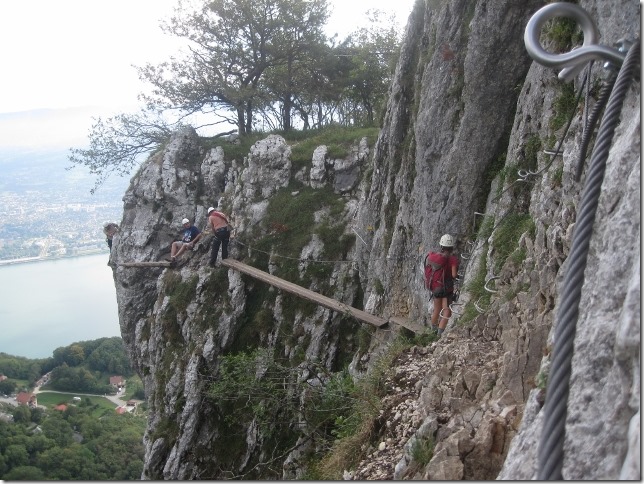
[(551, 455), (604, 93)]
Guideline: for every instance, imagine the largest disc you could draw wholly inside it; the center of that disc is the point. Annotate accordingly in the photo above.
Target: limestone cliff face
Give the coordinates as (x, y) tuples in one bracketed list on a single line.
[(467, 109)]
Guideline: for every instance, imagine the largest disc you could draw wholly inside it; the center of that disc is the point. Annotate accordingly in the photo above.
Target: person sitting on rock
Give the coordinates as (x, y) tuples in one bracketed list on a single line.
[(189, 236)]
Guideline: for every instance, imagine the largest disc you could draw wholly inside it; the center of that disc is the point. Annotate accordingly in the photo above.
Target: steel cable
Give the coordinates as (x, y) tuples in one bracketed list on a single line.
[(551, 455), (604, 93)]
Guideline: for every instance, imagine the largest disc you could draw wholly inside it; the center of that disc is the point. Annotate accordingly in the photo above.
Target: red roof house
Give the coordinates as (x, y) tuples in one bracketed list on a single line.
[(25, 398), (117, 381)]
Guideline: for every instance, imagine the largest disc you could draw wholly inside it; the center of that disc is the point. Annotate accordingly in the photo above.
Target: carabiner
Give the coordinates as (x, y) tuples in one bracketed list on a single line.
[(575, 60)]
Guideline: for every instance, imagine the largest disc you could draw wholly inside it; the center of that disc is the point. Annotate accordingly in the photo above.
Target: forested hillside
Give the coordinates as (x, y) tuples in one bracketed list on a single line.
[(66, 437), (84, 366)]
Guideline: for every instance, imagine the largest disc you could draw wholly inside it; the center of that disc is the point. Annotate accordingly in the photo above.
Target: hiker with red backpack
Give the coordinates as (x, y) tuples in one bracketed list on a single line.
[(221, 230), (441, 270)]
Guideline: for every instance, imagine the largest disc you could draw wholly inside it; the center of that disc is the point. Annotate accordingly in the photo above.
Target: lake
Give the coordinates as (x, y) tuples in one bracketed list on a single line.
[(48, 304)]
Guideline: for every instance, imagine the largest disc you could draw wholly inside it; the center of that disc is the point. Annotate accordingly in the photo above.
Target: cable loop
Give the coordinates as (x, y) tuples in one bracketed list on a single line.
[(454, 311), (493, 291), (574, 61), (479, 308)]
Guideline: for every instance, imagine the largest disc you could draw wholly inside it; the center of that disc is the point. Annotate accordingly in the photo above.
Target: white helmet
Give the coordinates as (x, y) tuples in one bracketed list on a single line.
[(185, 221), (211, 209), (447, 241)]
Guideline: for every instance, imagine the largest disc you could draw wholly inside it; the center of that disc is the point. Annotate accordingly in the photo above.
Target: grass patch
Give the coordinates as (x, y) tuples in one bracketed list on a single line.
[(476, 288), (168, 429), (290, 220), (564, 106), (337, 244), (563, 34), (531, 150), (506, 237), (486, 227), (378, 287), (338, 139), (183, 293), (100, 404), (422, 451), (237, 150)]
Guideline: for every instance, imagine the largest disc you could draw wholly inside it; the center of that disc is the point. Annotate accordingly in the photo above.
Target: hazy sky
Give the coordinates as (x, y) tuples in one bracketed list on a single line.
[(71, 53)]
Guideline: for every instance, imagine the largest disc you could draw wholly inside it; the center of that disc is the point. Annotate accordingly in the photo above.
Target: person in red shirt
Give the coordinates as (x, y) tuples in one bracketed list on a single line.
[(442, 287), (221, 230)]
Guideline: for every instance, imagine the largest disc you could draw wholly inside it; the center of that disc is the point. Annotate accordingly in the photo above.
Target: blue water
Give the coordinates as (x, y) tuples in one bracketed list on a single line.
[(49, 304)]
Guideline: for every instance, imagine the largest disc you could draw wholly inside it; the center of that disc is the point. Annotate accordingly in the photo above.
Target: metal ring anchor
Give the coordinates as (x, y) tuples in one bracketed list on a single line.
[(454, 311), (488, 289), (479, 308), (575, 60)]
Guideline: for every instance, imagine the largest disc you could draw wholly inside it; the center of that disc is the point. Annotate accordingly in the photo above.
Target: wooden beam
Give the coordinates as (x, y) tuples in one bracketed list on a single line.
[(146, 264), (324, 301)]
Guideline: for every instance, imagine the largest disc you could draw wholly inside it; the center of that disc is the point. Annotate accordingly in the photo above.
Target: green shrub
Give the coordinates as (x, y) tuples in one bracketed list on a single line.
[(378, 287), (506, 237), (167, 429), (422, 450), (563, 33), (253, 386), (541, 380), (289, 220), (358, 427), (183, 293)]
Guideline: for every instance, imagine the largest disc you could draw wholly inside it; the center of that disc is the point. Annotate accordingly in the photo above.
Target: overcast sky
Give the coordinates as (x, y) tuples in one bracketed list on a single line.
[(70, 53)]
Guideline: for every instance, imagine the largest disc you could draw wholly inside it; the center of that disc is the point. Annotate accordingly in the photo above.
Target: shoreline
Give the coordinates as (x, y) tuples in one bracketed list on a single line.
[(27, 260)]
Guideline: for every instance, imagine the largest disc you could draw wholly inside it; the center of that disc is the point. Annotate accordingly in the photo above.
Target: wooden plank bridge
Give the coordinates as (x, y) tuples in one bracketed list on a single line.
[(302, 292), (319, 299)]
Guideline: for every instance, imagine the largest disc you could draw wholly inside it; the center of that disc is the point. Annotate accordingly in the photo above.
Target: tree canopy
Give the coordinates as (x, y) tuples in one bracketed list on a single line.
[(252, 64), (110, 447)]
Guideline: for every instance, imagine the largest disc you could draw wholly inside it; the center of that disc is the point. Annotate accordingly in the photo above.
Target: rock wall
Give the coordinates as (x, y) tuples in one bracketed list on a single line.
[(467, 109), (489, 374)]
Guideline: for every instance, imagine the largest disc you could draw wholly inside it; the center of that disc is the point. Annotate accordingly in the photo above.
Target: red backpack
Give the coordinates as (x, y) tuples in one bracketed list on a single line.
[(436, 280)]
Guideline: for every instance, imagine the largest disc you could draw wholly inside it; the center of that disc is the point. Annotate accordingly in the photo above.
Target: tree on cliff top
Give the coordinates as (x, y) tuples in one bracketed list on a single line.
[(232, 45), (248, 61)]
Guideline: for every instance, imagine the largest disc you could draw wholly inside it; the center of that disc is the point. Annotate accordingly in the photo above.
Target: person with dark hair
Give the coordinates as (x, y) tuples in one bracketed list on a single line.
[(221, 231), (441, 270), (110, 230)]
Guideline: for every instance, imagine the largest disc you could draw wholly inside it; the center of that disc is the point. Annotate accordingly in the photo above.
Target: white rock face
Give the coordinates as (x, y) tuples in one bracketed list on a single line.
[(268, 168)]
